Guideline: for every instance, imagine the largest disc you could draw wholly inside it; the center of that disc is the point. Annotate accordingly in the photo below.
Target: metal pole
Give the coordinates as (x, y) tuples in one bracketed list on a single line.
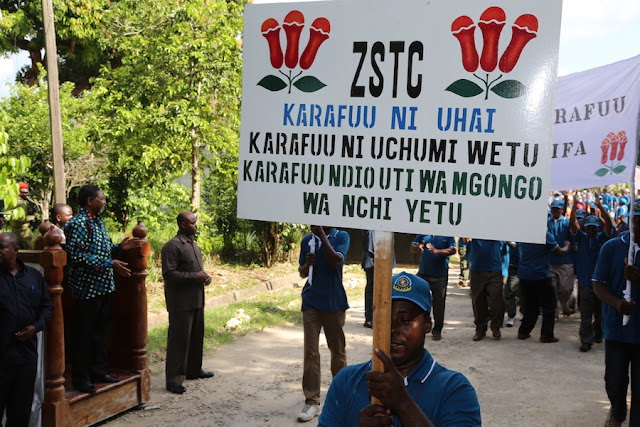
[(54, 102)]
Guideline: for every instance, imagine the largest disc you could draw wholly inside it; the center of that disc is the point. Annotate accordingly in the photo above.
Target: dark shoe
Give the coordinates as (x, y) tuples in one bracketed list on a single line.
[(523, 336), (203, 374), (176, 389), (436, 337), (108, 379), (549, 339), (368, 324), (86, 387), (585, 347), (479, 335), (597, 339), (496, 334)]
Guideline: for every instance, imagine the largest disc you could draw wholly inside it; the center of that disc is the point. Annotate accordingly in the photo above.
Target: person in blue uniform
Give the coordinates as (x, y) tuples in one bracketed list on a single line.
[(622, 342), (414, 389), (562, 267), (589, 240), (25, 309), (434, 268), (485, 264), (324, 305), (537, 289)]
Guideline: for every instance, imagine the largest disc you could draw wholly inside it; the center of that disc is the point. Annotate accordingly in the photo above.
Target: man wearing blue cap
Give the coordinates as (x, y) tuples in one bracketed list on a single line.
[(589, 240), (622, 342), (414, 389), (561, 269)]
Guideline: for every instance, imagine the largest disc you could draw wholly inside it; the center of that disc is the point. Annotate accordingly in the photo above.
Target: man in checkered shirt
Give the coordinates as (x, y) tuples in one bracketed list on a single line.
[(91, 263)]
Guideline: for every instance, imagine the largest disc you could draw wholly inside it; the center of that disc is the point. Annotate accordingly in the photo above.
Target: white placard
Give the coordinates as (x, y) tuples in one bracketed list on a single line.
[(596, 126), (408, 116)]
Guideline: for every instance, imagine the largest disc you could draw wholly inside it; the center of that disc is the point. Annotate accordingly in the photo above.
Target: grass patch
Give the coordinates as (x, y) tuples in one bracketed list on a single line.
[(268, 309), (275, 308)]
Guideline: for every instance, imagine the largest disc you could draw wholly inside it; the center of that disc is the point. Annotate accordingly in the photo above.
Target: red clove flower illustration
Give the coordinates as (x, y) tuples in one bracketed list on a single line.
[(491, 23), (622, 137), (525, 28), (293, 24), (605, 148), (271, 31), (463, 29), (318, 33)]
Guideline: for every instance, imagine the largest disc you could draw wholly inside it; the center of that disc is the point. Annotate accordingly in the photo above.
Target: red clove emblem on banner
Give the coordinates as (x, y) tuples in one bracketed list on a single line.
[(612, 150), (293, 25), (492, 20)]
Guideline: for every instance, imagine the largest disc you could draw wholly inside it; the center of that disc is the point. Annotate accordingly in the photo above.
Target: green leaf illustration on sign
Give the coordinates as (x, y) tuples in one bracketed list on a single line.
[(465, 88), (509, 89), (619, 169), (602, 171), (272, 83), (309, 84)]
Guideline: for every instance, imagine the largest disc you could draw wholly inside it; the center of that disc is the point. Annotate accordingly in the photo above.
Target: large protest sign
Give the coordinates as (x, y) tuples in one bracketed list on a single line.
[(596, 126), (400, 116)]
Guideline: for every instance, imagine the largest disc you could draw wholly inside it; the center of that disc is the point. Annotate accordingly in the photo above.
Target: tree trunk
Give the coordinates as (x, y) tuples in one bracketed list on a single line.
[(195, 172), (195, 166)]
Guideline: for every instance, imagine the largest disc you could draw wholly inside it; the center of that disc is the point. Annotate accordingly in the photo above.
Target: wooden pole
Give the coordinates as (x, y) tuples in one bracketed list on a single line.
[(382, 274), (54, 102)]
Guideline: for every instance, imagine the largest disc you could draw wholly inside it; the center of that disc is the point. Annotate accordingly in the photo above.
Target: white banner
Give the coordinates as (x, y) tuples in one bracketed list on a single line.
[(596, 126), (407, 116)]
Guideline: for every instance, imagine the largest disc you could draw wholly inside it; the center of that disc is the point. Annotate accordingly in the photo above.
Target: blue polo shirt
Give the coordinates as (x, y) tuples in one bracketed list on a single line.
[(610, 271), (485, 255), (622, 211), (534, 259), (446, 397), (326, 292), (561, 232), (587, 256), (430, 263)]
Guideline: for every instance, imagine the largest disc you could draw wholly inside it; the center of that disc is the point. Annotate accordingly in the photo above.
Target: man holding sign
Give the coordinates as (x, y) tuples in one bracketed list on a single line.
[(413, 389), (324, 302), (622, 342)]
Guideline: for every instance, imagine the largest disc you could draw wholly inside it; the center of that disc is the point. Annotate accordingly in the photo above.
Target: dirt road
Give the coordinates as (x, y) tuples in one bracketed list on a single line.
[(519, 383)]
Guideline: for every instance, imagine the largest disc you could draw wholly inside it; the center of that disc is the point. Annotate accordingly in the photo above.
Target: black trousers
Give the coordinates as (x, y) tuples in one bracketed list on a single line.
[(184, 345), (16, 392), (538, 294), (90, 330), (590, 308), (617, 358), (438, 286)]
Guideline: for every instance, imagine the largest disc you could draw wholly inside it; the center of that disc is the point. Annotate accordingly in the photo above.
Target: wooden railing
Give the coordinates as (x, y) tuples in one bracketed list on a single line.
[(127, 350)]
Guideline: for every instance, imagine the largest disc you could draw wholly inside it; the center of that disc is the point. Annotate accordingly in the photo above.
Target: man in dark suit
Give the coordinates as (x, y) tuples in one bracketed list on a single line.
[(184, 282)]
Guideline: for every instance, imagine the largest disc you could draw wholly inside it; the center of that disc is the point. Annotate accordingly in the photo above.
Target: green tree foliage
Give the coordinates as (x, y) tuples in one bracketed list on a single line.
[(77, 24), (27, 122), (177, 87), (10, 168)]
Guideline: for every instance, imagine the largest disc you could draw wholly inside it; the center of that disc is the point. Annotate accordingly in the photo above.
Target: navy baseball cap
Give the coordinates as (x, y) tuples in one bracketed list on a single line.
[(636, 207), (592, 220), (410, 287), (557, 203), (580, 213)]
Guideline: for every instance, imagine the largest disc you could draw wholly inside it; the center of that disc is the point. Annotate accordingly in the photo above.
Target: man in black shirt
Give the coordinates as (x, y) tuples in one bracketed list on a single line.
[(184, 282), (25, 309)]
